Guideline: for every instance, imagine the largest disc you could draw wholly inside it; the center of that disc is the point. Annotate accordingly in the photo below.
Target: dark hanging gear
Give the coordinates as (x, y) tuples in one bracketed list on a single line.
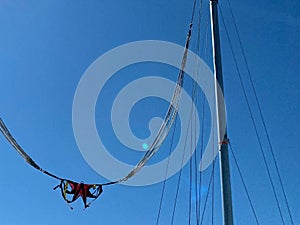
[(71, 191)]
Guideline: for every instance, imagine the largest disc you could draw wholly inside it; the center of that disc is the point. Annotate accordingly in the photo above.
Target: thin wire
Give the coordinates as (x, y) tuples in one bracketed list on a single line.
[(180, 173), (197, 189), (211, 182), (200, 219), (205, 40), (206, 199), (178, 183), (253, 121), (166, 174), (193, 12), (191, 174), (193, 142), (260, 112), (213, 178), (177, 190), (201, 152), (244, 183), (213, 196)]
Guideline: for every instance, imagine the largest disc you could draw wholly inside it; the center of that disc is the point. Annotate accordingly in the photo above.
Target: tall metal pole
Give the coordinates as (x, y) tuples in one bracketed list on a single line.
[(223, 144)]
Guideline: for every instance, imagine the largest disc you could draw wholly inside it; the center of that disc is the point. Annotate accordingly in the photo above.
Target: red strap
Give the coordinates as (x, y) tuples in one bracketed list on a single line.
[(224, 142)]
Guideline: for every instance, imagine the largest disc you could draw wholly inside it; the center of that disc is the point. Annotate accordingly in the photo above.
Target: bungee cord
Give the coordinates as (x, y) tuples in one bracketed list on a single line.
[(76, 190)]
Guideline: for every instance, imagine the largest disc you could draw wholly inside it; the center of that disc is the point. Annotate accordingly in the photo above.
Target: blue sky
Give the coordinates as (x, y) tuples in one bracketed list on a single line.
[(45, 48)]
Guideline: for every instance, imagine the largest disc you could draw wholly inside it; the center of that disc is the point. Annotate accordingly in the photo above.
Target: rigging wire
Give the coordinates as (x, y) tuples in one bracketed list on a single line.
[(180, 172), (203, 51), (166, 173), (195, 99), (213, 191), (193, 12), (213, 175), (191, 177), (194, 128), (196, 189), (253, 121), (211, 182), (213, 196), (201, 152), (174, 109), (260, 112), (205, 40), (192, 112), (244, 183), (193, 141), (206, 199)]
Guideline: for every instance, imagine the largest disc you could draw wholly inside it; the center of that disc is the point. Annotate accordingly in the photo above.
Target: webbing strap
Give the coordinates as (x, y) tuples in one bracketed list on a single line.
[(65, 190)]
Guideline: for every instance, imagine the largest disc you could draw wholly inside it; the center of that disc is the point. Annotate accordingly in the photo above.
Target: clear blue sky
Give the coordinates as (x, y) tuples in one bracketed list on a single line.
[(45, 47)]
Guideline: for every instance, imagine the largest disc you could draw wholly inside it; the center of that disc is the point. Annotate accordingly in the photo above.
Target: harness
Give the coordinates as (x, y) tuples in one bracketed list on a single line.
[(71, 191)]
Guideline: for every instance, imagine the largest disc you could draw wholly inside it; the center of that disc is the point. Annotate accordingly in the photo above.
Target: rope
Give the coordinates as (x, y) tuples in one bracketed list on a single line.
[(253, 121)]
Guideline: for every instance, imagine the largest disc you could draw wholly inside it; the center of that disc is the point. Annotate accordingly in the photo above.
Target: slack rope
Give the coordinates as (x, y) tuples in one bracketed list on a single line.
[(161, 136)]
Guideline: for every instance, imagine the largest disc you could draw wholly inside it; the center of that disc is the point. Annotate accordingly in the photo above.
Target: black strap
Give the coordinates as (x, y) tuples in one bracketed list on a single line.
[(64, 185)]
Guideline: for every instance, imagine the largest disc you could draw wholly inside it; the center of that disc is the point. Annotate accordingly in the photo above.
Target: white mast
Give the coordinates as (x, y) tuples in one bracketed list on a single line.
[(223, 140)]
